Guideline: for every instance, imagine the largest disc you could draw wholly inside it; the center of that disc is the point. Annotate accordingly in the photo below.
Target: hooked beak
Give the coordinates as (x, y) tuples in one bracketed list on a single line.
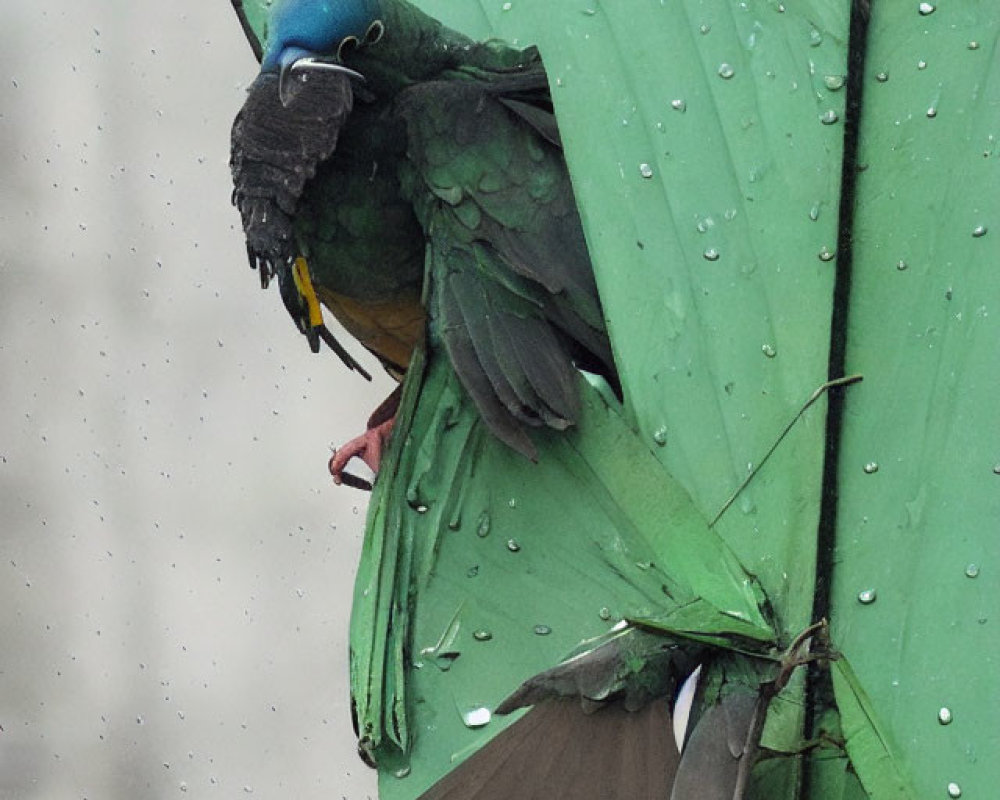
[(297, 64)]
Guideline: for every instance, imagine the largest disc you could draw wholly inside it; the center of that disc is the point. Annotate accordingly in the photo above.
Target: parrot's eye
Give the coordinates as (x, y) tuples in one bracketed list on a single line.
[(374, 33), (348, 44)]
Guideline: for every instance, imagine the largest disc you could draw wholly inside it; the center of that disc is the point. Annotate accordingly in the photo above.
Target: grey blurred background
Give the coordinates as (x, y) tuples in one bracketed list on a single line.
[(175, 567)]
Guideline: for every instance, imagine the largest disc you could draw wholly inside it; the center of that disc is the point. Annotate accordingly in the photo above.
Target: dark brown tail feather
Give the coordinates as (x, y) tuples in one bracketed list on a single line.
[(557, 751)]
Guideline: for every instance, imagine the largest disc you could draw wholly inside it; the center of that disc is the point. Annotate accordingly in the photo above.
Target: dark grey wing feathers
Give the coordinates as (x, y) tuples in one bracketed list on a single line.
[(275, 150)]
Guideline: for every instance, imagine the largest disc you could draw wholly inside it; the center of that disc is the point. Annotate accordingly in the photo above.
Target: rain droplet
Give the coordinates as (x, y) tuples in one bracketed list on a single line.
[(678, 105), (506, 6), (866, 597), (834, 82), (870, 468), (973, 45), (954, 790), (972, 571), (726, 71), (996, 469), (604, 613), (901, 265), (476, 717), (944, 715), (421, 509), (768, 350), (482, 635), (829, 117), (542, 630), (512, 503), (921, 64), (978, 231), (814, 212), (645, 170), (711, 254), (402, 772), (826, 254), (483, 528), (815, 38), (472, 571), (931, 112), (926, 9), (660, 435), (704, 29), (513, 546), (882, 77)]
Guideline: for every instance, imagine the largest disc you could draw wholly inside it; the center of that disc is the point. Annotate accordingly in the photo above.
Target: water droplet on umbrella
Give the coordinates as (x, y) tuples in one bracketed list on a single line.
[(954, 790), (482, 635), (513, 546), (866, 597), (402, 772), (882, 77), (768, 350), (870, 468), (645, 170), (996, 469), (472, 571), (826, 254), (542, 630), (711, 254), (901, 265), (931, 112), (660, 435), (944, 715), (834, 82), (476, 717), (972, 571), (926, 8), (973, 45), (483, 527), (704, 29), (726, 71), (604, 613), (506, 6), (978, 231), (829, 117), (814, 212), (815, 38), (678, 105)]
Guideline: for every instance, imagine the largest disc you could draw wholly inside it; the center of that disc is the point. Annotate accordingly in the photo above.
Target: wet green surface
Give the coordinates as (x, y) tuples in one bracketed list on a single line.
[(919, 492), (705, 143)]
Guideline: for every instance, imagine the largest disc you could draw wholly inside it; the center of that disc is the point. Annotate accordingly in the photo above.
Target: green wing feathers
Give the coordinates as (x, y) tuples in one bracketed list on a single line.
[(511, 294)]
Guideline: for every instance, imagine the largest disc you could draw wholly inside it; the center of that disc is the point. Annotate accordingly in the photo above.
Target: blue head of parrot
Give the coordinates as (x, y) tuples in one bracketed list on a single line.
[(308, 28)]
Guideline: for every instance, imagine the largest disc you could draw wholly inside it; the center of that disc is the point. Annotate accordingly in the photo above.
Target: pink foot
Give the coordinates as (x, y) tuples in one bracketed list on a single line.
[(368, 447)]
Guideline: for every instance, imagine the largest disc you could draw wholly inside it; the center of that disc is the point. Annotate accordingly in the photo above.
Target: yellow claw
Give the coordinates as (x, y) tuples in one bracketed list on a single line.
[(300, 273)]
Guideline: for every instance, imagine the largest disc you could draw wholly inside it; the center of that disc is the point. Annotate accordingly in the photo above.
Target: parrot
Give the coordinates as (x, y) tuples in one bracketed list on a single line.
[(412, 182)]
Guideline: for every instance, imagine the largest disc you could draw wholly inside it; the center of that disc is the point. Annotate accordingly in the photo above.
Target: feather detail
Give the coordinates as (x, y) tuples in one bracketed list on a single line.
[(556, 751)]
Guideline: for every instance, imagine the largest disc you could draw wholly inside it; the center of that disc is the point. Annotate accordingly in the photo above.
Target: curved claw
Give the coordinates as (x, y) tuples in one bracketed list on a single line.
[(315, 63), (297, 70), (368, 447)]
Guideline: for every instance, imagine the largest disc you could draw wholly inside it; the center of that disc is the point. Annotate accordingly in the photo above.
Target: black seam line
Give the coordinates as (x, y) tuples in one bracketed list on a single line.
[(818, 686)]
